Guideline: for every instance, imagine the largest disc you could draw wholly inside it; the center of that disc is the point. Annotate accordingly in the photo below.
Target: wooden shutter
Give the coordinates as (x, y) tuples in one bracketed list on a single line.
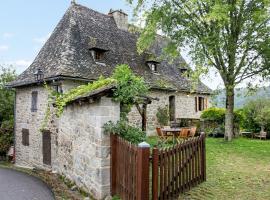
[(196, 104), (205, 103), (46, 147), (34, 101), (172, 108), (25, 137)]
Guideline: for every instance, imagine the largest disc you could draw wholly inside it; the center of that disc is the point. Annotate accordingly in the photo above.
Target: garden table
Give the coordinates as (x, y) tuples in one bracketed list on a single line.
[(174, 131)]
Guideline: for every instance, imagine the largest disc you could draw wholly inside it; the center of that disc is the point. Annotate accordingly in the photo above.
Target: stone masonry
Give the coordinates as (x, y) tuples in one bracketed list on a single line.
[(184, 108)]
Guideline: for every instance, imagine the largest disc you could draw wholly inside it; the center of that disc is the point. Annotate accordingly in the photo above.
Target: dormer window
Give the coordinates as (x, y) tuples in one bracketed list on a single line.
[(184, 71), (152, 65), (98, 54)]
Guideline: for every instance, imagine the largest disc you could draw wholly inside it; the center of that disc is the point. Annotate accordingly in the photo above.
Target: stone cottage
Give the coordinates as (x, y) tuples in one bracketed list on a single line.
[(84, 45)]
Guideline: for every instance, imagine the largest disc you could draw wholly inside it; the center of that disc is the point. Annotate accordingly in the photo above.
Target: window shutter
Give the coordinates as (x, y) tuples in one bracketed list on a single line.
[(25, 137), (196, 104), (205, 103), (34, 101)]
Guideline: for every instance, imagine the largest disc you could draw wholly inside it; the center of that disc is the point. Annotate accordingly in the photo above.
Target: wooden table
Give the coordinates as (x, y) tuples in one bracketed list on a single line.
[(174, 131)]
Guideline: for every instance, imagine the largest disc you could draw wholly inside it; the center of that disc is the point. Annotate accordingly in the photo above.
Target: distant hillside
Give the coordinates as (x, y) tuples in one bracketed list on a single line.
[(242, 96)]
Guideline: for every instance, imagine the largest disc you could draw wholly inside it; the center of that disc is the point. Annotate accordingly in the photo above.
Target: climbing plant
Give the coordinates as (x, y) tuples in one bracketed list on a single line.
[(128, 88)]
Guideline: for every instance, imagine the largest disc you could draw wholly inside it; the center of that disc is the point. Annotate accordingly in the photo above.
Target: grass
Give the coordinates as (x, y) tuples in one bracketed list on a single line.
[(235, 170)]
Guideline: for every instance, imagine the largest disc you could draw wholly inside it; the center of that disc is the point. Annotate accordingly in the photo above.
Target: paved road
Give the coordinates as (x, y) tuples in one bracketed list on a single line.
[(16, 185)]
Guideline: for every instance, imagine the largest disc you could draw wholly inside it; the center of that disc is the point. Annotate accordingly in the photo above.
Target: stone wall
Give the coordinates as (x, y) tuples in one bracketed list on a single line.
[(30, 156), (184, 108), (83, 150)]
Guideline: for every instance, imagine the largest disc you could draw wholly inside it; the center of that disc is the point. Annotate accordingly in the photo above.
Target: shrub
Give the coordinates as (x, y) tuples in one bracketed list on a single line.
[(6, 139), (256, 115), (129, 133), (163, 115)]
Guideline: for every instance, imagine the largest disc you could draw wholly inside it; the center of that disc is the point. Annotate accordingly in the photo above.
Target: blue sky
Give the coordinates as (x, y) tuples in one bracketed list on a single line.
[(26, 25)]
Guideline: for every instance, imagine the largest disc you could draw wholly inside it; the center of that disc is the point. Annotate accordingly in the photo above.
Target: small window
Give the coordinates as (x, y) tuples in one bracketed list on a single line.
[(58, 88), (99, 55), (34, 101), (200, 103), (25, 137), (153, 67)]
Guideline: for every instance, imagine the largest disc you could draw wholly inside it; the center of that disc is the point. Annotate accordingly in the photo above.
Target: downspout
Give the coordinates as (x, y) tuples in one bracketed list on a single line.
[(14, 127)]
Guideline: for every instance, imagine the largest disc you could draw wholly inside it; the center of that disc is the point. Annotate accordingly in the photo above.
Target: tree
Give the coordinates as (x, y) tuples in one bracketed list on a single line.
[(7, 74), (231, 36), (257, 115)]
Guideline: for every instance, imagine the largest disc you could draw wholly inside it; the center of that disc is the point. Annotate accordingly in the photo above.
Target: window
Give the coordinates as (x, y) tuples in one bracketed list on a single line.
[(200, 103), (99, 55), (152, 65), (25, 137), (34, 101), (172, 108), (58, 88)]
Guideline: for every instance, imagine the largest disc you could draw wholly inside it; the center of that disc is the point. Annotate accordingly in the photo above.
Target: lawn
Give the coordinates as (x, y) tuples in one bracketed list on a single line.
[(236, 170)]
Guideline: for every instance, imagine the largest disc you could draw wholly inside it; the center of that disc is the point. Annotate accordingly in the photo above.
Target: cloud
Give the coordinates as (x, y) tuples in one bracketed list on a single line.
[(4, 48), (7, 35), (19, 65), (41, 40)]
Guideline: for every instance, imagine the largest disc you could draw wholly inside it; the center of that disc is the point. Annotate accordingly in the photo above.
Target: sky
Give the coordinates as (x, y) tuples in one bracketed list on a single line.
[(26, 25)]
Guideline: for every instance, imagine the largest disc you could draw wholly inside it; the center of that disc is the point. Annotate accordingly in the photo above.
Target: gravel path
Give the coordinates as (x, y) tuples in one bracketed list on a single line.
[(16, 185)]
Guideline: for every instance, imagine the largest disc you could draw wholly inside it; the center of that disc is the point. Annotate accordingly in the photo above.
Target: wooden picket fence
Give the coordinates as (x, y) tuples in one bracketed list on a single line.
[(173, 170)]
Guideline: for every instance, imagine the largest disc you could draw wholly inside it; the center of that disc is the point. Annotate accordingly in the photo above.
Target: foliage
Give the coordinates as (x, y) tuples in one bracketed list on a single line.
[(7, 74), (6, 140), (214, 114), (128, 88), (256, 114), (61, 100), (129, 133), (230, 36), (163, 115)]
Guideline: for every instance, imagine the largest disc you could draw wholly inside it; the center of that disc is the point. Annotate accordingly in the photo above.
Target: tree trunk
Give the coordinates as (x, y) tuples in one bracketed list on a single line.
[(229, 116)]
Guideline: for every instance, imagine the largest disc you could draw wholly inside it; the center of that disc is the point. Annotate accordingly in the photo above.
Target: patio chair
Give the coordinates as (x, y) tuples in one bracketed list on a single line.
[(161, 135), (261, 135), (192, 131), (184, 133)]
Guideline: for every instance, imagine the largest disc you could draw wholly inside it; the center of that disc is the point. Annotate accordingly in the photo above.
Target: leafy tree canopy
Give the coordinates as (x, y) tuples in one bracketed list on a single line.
[(7, 74), (232, 36)]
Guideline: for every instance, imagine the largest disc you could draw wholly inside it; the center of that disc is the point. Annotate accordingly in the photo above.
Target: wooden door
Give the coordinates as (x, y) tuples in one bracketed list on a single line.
[(46, 147)]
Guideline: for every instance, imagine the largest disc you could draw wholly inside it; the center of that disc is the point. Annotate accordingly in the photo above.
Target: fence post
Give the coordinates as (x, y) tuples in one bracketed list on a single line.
[(113, 163), (155, 160), (142, 190), (203, 157)]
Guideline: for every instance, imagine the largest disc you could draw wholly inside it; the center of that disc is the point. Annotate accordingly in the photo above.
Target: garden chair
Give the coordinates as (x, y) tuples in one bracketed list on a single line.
[(161, 135), (192, 131), (183, 133), (261, 135)]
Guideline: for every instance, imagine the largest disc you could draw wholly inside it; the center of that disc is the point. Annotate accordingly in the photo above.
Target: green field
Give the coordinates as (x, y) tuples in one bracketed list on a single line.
[(236, 170)]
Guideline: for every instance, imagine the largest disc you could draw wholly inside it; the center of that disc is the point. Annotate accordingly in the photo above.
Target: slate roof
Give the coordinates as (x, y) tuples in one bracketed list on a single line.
[(66, 53)]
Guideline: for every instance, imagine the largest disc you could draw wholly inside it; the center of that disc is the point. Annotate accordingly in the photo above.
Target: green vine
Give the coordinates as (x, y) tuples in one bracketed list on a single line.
[(61, 100)]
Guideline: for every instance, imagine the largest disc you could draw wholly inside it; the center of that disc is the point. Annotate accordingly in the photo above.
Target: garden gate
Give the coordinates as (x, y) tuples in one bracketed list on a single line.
[(173, 170)]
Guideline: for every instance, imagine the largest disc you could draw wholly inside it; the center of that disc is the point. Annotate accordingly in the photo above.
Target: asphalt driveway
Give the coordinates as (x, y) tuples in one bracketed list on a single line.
[(16, 185)]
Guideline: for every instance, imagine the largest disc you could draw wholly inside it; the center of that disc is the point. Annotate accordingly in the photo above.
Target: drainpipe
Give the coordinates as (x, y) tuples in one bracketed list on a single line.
[(14, 127)]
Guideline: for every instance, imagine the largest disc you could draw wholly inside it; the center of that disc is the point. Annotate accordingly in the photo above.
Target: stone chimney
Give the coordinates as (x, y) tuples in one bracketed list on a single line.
[(120, 18)]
